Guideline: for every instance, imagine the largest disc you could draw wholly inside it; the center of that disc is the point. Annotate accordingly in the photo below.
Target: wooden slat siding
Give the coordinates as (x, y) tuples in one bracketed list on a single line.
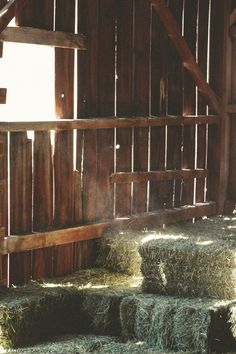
[(189, 100), (106, 107), (39, 14), (3, 205), (218, 159), (203, 20), (20, 203), (159, 41), (87, 102), (175, 102), (125, 47), (231, 195), (142, 11), (189, 62), (63, 157)]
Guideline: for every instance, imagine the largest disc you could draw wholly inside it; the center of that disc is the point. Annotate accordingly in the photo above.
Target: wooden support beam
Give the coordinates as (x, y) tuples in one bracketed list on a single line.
[(185, 53), (139, 177), (31, 35), (3, 95), (13, 244), (106, 123), (7, 13)]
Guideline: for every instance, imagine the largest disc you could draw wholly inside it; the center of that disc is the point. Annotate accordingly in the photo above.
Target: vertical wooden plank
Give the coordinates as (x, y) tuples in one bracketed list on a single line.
[(3, 205), (42, 201), (141, 97), (218, 159), (20, 203), (124, 101), (106, 108), (159, 53), (39, 14), (189, 100), (175, 104), (63, 156), (231, 193), (88, 102), (203, 21)]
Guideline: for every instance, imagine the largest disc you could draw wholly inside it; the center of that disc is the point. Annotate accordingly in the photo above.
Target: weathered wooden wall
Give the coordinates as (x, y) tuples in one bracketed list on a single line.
[(130, 69)]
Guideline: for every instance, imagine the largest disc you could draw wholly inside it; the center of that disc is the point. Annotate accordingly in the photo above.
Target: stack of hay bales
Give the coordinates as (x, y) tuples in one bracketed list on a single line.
[(189, 292)]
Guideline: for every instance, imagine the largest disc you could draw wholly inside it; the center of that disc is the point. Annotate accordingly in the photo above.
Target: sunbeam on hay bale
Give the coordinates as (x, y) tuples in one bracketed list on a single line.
[(189, 266), (194, 325)]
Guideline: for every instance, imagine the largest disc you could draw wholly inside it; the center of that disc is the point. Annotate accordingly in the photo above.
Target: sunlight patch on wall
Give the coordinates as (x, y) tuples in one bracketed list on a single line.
[(27, 71)]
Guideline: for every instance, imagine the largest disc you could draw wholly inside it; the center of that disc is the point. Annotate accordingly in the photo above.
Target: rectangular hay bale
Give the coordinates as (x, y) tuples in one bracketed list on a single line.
[(189, 267), (171, 323)]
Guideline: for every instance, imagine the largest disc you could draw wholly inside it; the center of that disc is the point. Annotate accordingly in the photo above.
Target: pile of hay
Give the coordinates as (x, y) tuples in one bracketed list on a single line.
[(189, 266), (91, 344), (118, 251), (194, 325)]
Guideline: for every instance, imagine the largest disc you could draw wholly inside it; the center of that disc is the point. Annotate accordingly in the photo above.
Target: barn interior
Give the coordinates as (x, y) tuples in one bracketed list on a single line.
[(118, 176)]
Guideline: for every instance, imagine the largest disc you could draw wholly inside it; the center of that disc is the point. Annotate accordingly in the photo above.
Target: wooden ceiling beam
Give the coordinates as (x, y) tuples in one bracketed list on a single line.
[(185, 53), (31, 35)]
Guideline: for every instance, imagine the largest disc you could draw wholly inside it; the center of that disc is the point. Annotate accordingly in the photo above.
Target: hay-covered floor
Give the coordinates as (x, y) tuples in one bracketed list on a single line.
[(90, 344)]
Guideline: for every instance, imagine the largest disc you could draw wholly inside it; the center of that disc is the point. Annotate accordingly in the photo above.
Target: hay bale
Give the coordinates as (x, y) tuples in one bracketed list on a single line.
[(118, 251), (28, 315), (42, 309), (190, 267), (91, 344), (171, 323)]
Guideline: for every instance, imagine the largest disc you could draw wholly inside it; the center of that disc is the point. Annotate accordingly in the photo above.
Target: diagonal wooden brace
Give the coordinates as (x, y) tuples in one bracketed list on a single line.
[(182, 47), (8, 12)]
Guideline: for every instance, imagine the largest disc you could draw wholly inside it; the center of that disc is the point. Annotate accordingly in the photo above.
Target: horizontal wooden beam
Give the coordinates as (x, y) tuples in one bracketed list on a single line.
[(231, 108), (185, 53), (13, 244), (43, 37), (106, 123), (139, 177), (7, 13)]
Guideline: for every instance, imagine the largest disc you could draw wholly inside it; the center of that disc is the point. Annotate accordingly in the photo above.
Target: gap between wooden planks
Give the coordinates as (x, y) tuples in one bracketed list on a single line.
[(13, 244)]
